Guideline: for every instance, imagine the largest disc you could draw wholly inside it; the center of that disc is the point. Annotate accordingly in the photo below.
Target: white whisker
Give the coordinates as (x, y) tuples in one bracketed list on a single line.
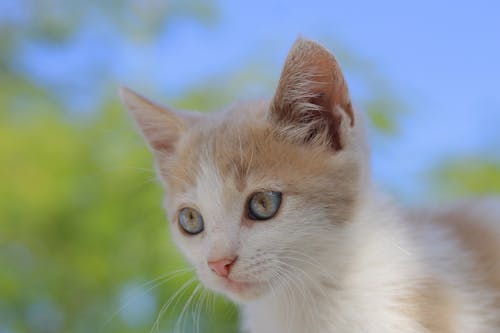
[(178, 324), (162, 280), (156, 325)]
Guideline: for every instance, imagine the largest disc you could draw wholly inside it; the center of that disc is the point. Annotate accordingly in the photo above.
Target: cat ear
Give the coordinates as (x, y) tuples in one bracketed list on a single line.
[(160, 126), (312, 102)]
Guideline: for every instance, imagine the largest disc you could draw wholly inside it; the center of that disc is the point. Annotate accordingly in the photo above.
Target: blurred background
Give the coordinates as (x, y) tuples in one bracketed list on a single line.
[(84, 245)]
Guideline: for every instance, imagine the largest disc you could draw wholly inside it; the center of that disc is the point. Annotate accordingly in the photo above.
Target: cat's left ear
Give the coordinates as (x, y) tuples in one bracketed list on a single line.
[(160, 126), (312, 103)]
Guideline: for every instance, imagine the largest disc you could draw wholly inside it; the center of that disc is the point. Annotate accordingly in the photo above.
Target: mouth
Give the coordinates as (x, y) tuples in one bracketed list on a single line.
[(237, 286)]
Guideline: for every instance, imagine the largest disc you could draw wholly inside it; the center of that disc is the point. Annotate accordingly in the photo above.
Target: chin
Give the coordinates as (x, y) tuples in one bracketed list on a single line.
[(239, 292)]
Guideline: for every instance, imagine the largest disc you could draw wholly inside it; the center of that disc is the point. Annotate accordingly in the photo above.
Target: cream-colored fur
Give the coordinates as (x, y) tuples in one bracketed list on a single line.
[(338, 256)]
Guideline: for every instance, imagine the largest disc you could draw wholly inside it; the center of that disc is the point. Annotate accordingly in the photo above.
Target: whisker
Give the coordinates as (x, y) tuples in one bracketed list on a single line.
[(303, 255), (156, 325), (300, 285), (320, 270), (162, 280), (290, 304), (147, 181), (249, 166), (199, 309), (149, 170), (179, 320)]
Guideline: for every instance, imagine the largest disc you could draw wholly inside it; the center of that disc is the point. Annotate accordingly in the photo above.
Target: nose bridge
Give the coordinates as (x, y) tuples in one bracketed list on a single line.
[(218, 204), (223, 240)]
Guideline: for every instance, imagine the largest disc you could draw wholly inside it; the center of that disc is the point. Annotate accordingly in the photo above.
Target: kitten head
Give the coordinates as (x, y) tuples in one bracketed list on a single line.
[(255, 194)]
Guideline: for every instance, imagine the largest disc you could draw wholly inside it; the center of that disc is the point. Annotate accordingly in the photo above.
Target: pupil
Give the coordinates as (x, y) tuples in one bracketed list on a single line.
[(263, 203)]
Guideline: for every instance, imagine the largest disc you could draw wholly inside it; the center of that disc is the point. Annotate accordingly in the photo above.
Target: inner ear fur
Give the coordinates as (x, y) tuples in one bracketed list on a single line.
[(160, 126), (312, 99)]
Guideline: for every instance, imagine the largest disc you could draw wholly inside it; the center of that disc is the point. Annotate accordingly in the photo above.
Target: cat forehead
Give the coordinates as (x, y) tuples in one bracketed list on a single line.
[(210, 146), (239, 147)]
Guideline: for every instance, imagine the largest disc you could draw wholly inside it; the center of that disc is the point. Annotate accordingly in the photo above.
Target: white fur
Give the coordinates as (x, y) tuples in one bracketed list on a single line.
[(351, 282), (305, 270), (382, 260), (315, 276)]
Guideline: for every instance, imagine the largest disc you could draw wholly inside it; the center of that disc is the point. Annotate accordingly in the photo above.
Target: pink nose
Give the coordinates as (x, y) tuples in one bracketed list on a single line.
[(221, 267)]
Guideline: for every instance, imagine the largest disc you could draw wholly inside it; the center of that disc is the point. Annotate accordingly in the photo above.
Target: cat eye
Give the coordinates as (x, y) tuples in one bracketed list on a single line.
[(264, 205), (191, 221)]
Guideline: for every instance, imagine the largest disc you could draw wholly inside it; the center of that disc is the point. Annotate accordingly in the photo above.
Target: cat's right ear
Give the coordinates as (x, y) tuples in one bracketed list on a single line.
[(160, 126)]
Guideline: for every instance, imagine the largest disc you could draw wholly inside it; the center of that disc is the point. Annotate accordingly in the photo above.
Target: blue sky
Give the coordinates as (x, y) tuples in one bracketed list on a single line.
[(440, 59)]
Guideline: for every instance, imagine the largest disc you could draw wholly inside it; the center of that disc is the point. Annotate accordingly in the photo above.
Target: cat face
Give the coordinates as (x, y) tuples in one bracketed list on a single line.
[(256, 194)]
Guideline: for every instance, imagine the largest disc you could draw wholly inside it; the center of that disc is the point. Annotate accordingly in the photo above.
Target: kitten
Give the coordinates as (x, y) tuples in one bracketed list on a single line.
[(272, 203)]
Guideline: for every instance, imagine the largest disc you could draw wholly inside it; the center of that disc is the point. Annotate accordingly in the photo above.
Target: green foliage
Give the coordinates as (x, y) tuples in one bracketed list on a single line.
[(81, 219), (81, 223), (468, 176), (55, 21), (382, 115)]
